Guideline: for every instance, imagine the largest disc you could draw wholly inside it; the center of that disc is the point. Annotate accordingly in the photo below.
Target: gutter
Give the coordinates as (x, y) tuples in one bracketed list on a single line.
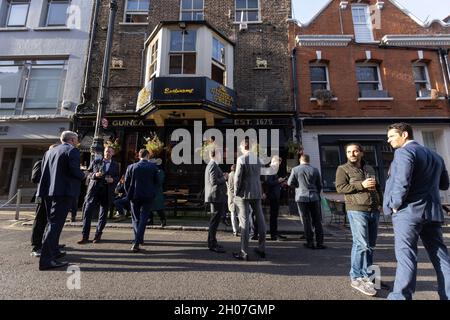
[(297, 121)]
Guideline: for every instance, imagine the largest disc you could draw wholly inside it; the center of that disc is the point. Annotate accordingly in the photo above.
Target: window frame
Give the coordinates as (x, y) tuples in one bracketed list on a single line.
[(369, 65), (327, 75), (48, 11), (153, 58), (126, 12), (367, 23), (183, 52), (427, 80), (9, 5), (246, 10), (192, 11)]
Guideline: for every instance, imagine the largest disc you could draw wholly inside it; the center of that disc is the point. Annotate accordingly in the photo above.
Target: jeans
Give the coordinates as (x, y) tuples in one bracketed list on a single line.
[(364, 226)]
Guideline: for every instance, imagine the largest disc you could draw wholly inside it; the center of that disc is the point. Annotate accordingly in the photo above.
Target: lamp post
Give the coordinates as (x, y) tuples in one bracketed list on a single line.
[(97, 144)]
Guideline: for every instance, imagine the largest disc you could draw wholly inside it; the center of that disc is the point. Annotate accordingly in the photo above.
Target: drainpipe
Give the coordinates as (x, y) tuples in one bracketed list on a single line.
[(340, 20), (444, 53), (87, 68), (142, 74), (297, 122)]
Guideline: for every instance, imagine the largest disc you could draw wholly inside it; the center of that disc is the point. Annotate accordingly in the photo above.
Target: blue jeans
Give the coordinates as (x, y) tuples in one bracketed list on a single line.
[(364, 226)]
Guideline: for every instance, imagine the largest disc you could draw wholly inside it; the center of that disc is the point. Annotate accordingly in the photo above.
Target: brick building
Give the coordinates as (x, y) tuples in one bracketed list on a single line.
[(222, 63), (362, 65)]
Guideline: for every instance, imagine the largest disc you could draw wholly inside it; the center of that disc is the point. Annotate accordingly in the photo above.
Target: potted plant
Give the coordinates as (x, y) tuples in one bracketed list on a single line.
[(294, 150), (154, 144), (323, 96)]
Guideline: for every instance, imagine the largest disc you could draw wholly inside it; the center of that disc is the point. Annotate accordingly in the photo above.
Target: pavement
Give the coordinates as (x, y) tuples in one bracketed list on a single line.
[(175, 264)]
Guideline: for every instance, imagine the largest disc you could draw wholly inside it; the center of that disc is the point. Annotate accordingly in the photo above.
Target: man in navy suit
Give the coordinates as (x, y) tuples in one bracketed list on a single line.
[(59, 187), (412, 197), (141, 180), (103, 176)]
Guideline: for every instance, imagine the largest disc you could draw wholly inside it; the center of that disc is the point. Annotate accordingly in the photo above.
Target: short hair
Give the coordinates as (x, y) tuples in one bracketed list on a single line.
[(109, 147), (305, 158), (360, 147), (67, 135), (402, 127), (143, 153), (53, 146)]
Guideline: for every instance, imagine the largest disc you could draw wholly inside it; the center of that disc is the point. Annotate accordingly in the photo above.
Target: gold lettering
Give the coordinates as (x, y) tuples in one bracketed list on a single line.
[(178, 91)]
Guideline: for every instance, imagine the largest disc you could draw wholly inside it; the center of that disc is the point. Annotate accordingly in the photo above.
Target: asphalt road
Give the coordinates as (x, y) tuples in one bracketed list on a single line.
[(177, 265)]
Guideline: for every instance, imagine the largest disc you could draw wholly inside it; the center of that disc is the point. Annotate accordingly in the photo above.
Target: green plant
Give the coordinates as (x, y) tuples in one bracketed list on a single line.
[(323, 96), (114, 144), (293, 148), (154, 144)]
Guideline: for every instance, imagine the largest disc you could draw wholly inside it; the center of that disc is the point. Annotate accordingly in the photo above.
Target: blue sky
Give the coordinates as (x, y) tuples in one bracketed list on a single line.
[(304, 10)]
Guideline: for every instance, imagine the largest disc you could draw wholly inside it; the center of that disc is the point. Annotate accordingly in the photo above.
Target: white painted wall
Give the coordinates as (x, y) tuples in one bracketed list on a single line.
[(72, 42)]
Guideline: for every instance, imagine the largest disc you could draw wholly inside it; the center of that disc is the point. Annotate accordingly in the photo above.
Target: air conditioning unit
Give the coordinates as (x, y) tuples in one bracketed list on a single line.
[(243, 26)]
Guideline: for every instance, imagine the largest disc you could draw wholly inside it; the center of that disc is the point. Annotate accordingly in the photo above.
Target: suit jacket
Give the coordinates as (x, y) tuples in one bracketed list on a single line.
[(307, 183), (141, 180), (416, 175), (247, 183), (99, 186), (61, 174), (273, 187), (36, 174), (215, 183)]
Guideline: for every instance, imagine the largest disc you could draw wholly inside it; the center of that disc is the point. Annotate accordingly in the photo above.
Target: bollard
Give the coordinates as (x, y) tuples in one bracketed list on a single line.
[(18, 199)]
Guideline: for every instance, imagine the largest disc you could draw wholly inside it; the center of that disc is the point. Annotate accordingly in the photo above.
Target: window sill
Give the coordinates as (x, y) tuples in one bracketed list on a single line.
[(52, 29), (133, 23), (428, 98), (315, 99), (376, 99), (368, 42), (247, 22), (12, 29)]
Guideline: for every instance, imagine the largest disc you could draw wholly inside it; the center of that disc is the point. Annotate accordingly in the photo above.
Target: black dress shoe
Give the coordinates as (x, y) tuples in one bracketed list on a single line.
[(53, 265), (135, 248), (60, 255), (254, 238), (260, 253), (240, 256), (273, 238), (321, 246), (61, 246), (217, 249), (309, 245), (280, 236)]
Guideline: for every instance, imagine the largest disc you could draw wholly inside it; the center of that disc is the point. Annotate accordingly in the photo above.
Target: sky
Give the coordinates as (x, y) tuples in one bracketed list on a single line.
[(304, 10)]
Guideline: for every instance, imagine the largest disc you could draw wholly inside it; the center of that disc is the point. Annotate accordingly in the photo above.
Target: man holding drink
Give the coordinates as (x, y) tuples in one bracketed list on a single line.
[(356, 180)]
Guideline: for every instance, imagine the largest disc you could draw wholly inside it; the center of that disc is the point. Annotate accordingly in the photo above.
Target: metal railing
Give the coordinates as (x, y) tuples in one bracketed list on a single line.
[(18, 197)]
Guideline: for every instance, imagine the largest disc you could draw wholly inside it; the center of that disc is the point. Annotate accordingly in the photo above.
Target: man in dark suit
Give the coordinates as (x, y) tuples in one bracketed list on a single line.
[(59, 187), (307, 183), (215, 196), (103, 177), (40, 219), (141, 180), (412, 197), (248, 194)]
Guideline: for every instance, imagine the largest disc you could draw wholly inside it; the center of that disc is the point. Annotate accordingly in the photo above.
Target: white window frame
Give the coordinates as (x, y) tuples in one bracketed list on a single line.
[(237, 17), (22, 90), (183, 52), (9, 5), (427, 77), (192, 11), (48, 11), (322, 65), (368, 22), (153, 58), (219, 64), (380, 84), (140, 12)]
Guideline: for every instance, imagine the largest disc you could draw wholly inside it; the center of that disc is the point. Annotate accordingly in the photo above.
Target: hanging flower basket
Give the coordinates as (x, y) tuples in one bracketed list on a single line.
[(114, 144), (154, 144)]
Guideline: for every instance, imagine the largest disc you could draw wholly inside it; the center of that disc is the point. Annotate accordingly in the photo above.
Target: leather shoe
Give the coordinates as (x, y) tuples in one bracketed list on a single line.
[(83, 241), (217, 249), (321, 246), (309, 245), (240, 256), (135, 248), (97, 238), (260, 253), (53, 265), (61, 246), (60, 255)]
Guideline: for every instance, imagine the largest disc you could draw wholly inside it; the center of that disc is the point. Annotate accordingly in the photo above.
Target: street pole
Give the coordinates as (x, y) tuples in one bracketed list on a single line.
[(97, 144)]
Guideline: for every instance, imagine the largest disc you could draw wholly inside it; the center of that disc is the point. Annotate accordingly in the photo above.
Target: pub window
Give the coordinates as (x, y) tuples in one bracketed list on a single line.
[(57, 12), (368, 77), (153, 59), (429, 140), (191, 10), (136, 11), (182, 56), (319, 77), (421, 80), (16, 13), (218, 62), (247, 11)]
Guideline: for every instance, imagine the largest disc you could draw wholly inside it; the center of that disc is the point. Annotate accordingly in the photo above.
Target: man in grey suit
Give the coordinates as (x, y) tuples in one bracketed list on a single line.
[(307, 183), (247, 188), (412, 197), (215, 196)]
